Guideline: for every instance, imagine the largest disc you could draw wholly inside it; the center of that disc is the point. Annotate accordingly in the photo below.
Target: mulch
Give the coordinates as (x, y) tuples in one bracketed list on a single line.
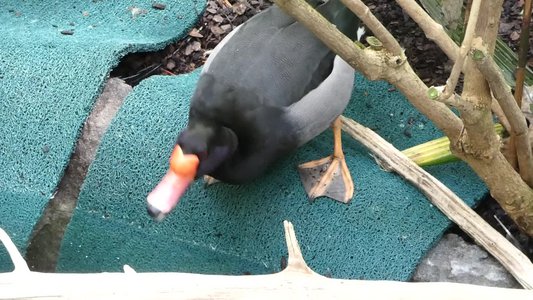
[(428, 61)]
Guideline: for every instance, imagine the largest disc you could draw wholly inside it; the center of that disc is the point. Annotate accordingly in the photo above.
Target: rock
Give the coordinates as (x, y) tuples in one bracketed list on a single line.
[(454, 260), (43, 249)]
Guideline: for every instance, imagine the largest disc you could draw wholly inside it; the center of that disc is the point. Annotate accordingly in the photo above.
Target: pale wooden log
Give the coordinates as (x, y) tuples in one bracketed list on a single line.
[(297, 281), (450, 204), (16, 258)]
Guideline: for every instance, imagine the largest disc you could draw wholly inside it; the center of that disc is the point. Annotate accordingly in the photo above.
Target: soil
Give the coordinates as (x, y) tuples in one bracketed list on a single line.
[(430, 63)]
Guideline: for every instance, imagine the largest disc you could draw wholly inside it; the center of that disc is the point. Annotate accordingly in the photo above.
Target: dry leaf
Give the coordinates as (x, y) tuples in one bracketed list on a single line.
[(514, 35), (196, 46), (217, 30), (226, 27), (170, 64), (218, 18), (192, 47), (239, 8), (195, 33)]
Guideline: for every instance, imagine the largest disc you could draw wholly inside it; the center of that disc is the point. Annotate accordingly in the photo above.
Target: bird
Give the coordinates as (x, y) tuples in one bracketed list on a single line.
[(269, 87)]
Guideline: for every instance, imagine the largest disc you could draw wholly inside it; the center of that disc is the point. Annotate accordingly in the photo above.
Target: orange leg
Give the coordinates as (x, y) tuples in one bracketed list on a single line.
[(329, 176)]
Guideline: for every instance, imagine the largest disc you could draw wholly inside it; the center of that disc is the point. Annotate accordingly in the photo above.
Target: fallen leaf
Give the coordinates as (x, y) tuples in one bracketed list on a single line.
[(171, 64), (514, 35), (192, 47), (504, 27), (217, 30), (196, 46), (218, 18), (226, 27), (188, 50), (195, 33), (239, 8)]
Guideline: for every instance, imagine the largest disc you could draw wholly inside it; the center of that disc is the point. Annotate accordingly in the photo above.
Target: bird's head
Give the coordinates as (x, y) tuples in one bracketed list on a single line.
[(199, 151)]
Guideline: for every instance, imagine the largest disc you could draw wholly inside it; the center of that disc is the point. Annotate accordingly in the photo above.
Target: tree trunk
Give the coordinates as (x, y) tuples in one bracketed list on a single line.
[(479, 145)]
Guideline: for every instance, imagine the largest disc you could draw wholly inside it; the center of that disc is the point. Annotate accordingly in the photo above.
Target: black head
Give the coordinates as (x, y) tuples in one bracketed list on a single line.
[(211, 143)]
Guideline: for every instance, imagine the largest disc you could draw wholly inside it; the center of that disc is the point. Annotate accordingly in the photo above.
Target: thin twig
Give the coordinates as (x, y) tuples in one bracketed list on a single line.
[(507, 232), (520, 74), (522, 53), (502, 93), (451, 83), (453, 101), (18, 261), (364, 14), (449, 203), (497, 109)]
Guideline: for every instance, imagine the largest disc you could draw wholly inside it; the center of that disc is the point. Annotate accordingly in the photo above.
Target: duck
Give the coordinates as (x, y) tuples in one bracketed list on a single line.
[(269, 87)]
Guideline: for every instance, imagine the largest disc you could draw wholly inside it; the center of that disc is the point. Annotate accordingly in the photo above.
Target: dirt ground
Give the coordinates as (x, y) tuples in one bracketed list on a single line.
[(430, 63)]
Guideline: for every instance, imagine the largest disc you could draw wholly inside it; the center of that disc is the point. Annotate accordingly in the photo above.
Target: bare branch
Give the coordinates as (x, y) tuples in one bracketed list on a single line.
[(435, 93), (16, 257), (497, 109), (364, 13), (442, 197), (503, 94), (375, 65), (451, 83), (522, 53), (433, 30)]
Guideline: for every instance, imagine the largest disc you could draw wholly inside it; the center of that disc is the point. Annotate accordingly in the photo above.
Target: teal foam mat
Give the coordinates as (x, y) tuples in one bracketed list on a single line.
[(225, 229), (49, 81)]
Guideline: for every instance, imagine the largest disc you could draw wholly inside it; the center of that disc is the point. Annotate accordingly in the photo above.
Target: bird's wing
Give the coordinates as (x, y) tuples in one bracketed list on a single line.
[(315, 111)]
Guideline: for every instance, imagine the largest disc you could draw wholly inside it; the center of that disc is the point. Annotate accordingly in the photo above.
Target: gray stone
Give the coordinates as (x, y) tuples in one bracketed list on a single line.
[(454, 260), (45, 243)]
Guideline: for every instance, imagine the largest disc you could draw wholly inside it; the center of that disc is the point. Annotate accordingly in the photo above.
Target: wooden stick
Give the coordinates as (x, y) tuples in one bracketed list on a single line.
[(297, 281), (446, 200)]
